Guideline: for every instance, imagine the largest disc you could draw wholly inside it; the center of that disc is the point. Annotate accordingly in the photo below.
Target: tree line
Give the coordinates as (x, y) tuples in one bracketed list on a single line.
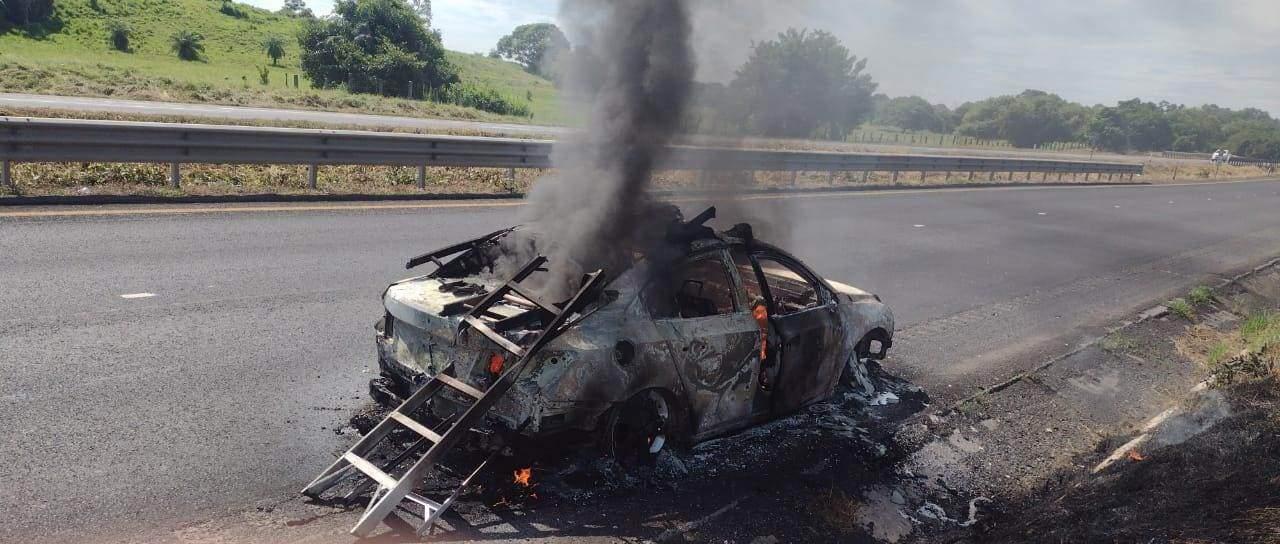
[(1036, 118)]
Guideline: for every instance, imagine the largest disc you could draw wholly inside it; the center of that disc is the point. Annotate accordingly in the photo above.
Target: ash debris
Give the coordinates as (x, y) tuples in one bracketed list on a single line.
[(847, 428)]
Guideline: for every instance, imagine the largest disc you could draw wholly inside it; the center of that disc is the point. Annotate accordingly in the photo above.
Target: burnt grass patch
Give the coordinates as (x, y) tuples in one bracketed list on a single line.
[(1220, 486), (796, 479)]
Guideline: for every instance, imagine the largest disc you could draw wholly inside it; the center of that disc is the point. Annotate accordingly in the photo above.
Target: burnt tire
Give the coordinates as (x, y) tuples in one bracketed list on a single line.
[(638, 430)]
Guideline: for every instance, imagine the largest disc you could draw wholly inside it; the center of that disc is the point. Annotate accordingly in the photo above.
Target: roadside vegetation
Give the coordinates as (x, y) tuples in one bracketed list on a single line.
[(125, 49)]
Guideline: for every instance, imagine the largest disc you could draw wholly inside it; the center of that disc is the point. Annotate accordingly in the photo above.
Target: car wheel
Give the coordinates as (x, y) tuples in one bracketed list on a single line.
[(637, 431)]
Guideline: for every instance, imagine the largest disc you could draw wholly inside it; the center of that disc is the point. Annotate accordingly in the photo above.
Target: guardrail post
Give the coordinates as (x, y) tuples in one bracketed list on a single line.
[(971, 175), (6, 174), (895, 177), (1044, 177), (175, 175), (1175, 174), (511, 180), (922, 176), (991, 176), (947, 177), (422, 177), (866, 175), (313, 175), (793, 177)]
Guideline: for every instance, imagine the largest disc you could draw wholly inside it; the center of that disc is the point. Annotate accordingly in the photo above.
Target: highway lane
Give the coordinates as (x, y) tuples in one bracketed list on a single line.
[(247, 334), (147, 107)]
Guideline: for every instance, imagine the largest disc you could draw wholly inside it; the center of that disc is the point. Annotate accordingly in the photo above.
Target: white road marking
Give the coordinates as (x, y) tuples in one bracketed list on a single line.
[(1116, 206), (138, 295), (918, 226), (1041, 213)]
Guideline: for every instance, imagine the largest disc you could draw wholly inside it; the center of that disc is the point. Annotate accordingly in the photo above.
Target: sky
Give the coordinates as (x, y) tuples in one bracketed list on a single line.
[(951, 51)]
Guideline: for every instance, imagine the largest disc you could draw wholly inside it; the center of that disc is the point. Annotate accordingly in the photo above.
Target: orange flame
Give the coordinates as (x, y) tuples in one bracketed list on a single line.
[(496, 362), (522, 476), (1135, 456), (762, 319)]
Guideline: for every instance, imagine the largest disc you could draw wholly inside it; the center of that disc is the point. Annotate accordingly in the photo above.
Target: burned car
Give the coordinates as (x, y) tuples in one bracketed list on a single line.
[(730, 333)]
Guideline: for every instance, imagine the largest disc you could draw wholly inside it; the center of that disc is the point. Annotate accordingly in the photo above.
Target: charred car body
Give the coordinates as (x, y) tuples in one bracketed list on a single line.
[(731, 333)]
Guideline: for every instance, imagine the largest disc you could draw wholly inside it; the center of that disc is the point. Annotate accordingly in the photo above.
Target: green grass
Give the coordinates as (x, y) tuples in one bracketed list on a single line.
[(1118, 341), (1261, 330), (512, 81), (1199, 296), (72, 55), (1181, 308)]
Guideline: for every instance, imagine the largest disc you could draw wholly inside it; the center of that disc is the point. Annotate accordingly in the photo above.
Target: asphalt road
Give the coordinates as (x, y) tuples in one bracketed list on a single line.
[(144, 107), (162, 366)]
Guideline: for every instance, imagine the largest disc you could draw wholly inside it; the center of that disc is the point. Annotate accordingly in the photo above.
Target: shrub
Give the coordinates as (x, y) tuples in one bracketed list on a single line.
[(479, 98), (119, 32), (264, 75), (1181, 308), (24, 12), (230, 8), (187, 45), (1200, 296), (274, 46)]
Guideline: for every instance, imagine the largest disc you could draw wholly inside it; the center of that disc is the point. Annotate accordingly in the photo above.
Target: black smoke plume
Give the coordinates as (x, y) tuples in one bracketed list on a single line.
[(633, 68)]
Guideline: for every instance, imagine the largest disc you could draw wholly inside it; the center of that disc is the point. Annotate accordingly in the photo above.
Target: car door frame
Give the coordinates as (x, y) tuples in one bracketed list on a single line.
[(795, 386)]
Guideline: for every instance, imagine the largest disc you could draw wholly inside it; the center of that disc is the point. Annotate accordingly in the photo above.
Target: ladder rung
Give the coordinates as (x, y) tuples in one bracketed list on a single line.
[(431, 505), (460, 386), (493, 335), (415, 426), (537, 301), (362, 464)]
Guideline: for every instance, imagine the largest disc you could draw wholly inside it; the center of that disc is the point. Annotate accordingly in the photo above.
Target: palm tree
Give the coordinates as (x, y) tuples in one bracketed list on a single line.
[(187, 44), (275, 48)]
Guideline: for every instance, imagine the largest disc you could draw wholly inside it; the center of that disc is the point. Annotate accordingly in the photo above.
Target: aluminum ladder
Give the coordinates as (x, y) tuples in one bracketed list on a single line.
[(391, 491)]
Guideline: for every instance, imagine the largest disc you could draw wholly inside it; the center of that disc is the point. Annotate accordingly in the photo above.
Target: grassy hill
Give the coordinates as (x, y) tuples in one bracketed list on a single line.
[(71, 55)]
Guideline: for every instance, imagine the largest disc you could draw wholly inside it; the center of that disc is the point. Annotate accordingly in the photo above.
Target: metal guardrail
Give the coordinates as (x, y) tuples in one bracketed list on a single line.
[(1235, 160), (64, 140)]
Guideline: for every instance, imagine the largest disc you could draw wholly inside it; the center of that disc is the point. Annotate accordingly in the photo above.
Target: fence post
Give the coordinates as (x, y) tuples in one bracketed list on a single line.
[(422, 177), (409, 94), (175, 175), (1175, 174), (6, 174), (313, 174)]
